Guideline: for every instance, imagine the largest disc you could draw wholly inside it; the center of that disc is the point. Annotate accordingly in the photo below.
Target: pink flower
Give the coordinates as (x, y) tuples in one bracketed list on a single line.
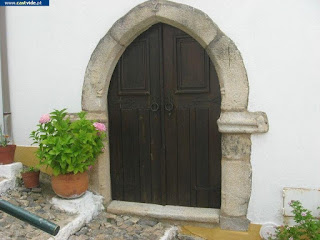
[(45, 118), (100, 126), (303, 214), (89, 167)]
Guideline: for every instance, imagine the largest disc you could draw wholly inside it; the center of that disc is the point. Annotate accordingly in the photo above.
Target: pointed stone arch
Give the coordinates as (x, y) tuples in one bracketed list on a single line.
[(236, 124)]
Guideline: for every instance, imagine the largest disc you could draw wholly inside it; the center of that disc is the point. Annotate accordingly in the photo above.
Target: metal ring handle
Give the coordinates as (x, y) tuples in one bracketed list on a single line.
[(168, 106), (154, 107)]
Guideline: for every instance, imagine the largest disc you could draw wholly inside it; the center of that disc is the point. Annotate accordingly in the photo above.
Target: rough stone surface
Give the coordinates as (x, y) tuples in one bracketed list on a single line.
[(136, 21), (35, 202), (10, 170), (99, 72), (100, 179), (110, 226), (186, 237), (243, 122), (231, 72), (236, 146), (7, 184), (191, 20), (235, 187), (177, 213), (234, 223), (103, 226), (8, 174)]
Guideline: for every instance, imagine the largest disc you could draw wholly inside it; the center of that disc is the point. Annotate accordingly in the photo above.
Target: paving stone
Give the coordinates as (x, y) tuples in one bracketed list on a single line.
[(124, 227), (13, 228), (186, 237), (105, 226), (147, 222), (36, 190)]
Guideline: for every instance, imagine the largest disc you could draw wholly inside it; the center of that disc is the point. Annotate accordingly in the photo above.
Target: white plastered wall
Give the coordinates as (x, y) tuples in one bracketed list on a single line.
[(49, 49)]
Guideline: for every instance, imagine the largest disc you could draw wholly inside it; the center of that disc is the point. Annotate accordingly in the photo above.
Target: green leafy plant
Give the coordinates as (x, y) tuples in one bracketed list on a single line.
[(31, 169), (68, 146), (4, 139), (307, 226)]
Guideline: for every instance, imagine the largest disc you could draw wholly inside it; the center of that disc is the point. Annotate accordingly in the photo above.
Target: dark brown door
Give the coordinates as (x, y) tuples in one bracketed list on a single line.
[(164, 102)]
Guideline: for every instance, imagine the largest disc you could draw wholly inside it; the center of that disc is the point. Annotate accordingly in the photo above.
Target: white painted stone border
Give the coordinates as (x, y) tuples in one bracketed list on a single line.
[(87, 207), (10, 173)]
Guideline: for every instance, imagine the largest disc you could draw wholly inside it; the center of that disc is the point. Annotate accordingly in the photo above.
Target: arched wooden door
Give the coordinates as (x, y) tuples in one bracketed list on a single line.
[(164, 101)]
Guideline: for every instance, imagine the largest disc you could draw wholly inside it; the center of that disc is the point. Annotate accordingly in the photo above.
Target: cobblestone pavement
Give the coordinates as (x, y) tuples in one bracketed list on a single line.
[(104, 226), (35, 201), (109, 226)]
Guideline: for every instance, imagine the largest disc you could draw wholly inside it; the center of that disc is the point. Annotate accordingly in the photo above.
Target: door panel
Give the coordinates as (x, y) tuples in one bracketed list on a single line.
[(144, 150), (191, 85), (130, 154), (164, 102), (135, 138), (184, 161)]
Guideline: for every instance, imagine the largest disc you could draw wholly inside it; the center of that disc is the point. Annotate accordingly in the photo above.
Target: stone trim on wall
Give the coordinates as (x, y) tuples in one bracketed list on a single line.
[(235, 123)]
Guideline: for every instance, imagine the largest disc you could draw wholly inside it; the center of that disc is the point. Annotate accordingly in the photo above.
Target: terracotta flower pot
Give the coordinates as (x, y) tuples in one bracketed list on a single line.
[(7, 154), (31, 179), (70, 185)]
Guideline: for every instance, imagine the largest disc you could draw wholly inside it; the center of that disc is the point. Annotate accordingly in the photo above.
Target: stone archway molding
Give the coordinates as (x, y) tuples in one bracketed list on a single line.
[(235, 123)]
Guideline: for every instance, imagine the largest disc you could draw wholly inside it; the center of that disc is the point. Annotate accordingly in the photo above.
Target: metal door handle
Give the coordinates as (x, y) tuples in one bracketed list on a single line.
[(168, 106), (154, 107)]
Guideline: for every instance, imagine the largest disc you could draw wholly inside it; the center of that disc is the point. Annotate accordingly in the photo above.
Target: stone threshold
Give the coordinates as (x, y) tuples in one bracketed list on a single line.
[(174, 214)]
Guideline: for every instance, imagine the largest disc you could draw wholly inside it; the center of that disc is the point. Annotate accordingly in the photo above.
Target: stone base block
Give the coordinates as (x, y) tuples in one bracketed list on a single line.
[(8, 174), (6, 184), (10, 170), (234, 223)]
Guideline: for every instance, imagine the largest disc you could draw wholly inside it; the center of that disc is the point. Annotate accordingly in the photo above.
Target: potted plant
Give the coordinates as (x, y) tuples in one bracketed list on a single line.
[(30, 177), (306, 225), (6, 150), (70, 148)]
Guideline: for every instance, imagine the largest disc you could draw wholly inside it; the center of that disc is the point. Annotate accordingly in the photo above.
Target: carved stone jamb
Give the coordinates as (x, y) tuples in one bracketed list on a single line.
[(236, 129), (243, 122), (235, 123)]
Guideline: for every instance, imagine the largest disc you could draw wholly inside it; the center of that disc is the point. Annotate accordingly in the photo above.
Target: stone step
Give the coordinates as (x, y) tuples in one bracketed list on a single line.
[(174, 214)]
